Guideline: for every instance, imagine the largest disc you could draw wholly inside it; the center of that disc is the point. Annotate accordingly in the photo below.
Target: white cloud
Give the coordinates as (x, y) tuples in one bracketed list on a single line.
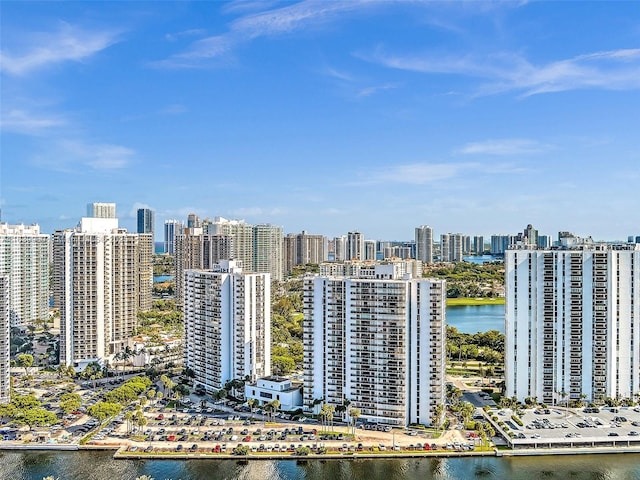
[(22, 121), (68, 43), (416, 173), (72, 155), (289, 18), (423, 173), (368, 91), (608, 70), (509, 146)]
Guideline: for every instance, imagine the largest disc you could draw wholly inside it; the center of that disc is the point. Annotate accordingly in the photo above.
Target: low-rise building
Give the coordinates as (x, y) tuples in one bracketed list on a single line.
[(268, 389)]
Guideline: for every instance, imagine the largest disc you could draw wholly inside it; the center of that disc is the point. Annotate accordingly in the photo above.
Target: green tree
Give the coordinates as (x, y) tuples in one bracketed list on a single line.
[(25, 360), (354, 414), (282, 365), (70, 402), (103, 410), (37, 417)]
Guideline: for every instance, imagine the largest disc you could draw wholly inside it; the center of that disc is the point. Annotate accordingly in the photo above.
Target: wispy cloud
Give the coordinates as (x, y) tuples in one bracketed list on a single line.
[(276, 21), (74, 155), (68, 43), (609, 70), (424, 173), (368, 91), (192, 32), (25, 122), (508, 146)]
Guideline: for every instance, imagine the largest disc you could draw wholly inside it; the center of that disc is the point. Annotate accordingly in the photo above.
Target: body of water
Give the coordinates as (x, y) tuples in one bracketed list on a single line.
[(101, 466), (482, 258), (474, 319), (162, 278)]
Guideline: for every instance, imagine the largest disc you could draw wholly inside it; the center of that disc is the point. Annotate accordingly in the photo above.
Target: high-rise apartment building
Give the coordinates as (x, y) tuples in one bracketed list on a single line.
[(451, 247), (377, 340), (424, 244), (227, 325), (573, 322), (5, 327), (103, 276), (369, 250), (24, 259), (243, 237), (171, 229), (501, 243), (101, 210), (339, 249), (304, 248), (268, 256), (146, 221), (478, 245), (355, 246)]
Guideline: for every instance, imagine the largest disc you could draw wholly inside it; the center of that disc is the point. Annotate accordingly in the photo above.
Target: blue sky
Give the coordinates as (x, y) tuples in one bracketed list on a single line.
[(327, 116)]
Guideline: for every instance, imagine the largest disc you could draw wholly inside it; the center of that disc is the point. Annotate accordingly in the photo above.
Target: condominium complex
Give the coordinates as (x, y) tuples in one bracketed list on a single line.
[(101, 210), (267, 250), (171, 228), (452, 247), (367, 269), (146, 221), (424, 244), (355, 249), (227, 324), (257, 248), (5, 327), (573, 322), (303, 248), (103, 277), (24, 259), (378, 341)]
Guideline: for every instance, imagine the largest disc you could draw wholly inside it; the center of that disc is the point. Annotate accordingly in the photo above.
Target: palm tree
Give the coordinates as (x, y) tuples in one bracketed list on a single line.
[(436, 419), (354, 413), (252, 402)]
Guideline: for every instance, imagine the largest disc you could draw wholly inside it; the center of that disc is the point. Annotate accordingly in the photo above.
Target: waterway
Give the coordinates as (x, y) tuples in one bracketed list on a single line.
[(101, 466), (478, 318), (482, 258), (163, 278)]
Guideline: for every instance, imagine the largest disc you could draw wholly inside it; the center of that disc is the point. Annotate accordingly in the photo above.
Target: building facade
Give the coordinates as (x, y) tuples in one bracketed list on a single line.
[(24, 259), (171, 228), (573, 323), (103, 276), (303, 249), (268, 389), (5, 328), (146, 221), (377, 341), (424, 244), (101, 210), (227, 317)]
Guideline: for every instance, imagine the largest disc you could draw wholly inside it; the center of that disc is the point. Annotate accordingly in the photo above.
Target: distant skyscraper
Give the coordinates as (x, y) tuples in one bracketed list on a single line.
[(355, 246), (146, 221), (304, 248), (171, 228), (227, 317), (478, 245), (5, 327), (424, 244), (268, 256), (193, 221), (103, 276), (369, 250), (101, 210), (451, 247), (340, 249), (24, 259)]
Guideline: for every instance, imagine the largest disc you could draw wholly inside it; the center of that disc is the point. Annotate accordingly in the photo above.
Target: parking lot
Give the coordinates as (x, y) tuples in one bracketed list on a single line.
[(559, 427)]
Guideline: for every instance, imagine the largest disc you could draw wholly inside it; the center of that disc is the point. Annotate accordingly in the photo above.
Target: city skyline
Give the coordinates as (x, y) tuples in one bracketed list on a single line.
[(326, 117)]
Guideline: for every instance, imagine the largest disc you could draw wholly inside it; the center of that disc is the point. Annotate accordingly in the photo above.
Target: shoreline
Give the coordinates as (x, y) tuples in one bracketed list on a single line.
[(120, 452), (474, 302)]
